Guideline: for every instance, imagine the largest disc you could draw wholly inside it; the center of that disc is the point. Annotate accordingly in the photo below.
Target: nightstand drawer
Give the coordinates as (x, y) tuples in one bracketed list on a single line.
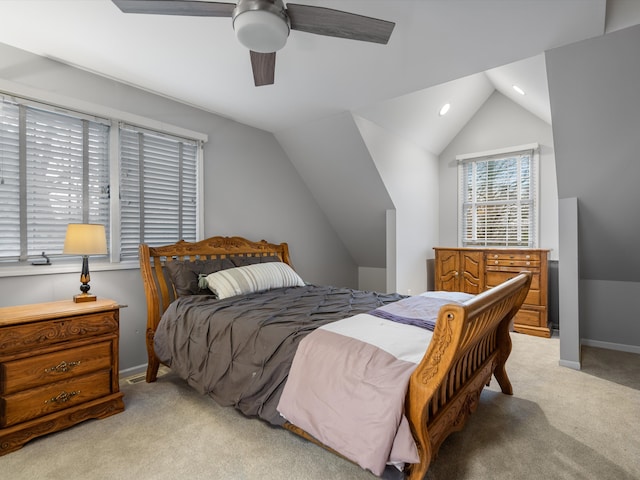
[(39, 334), (39, 370), (36, 402)]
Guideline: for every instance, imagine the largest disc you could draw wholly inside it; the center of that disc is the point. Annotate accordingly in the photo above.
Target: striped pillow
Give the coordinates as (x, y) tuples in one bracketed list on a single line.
[(252, 278)]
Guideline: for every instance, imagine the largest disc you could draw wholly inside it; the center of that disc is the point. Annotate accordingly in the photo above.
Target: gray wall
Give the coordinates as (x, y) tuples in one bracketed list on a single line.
[(250, 189), (595, 106)]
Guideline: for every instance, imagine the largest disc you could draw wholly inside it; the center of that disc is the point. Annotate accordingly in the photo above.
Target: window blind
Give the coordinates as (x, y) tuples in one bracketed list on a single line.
[(54, 172), (158, 189), (498, 200), (9, 180)]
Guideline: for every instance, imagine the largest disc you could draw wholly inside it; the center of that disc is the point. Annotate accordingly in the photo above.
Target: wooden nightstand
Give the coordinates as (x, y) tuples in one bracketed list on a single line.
[(58, 367)]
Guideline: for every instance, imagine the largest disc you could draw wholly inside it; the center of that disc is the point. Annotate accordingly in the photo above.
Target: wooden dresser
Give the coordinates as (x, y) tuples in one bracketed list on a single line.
[(474, 270), (58, 367)]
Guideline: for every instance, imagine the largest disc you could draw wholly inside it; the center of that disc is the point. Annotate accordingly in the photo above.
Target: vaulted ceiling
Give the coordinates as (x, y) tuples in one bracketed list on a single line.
[(441, 51), (198, 60)]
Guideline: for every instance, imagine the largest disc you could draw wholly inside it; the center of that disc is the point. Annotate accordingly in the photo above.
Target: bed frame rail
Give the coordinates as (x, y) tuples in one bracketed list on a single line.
[(159, 289)]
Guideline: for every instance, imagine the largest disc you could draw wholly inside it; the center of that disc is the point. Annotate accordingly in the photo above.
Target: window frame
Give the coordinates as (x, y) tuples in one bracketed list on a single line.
[(75, 107), (466, 159)]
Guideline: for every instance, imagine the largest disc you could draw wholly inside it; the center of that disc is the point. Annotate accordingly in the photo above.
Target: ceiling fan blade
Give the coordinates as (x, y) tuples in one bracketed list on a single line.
[(336, 23), (177, 7), (264, 66)]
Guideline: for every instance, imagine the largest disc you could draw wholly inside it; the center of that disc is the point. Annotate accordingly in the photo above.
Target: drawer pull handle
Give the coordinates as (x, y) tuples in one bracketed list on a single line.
[(62, 367), (63, 397)]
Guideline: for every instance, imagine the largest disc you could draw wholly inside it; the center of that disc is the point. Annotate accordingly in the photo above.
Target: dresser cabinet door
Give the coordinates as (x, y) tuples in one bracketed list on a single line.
[(471, 272), (460, 271), (447, 268)]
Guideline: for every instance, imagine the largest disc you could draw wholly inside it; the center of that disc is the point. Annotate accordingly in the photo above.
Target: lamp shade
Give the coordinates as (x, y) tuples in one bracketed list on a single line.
[(85, 239)]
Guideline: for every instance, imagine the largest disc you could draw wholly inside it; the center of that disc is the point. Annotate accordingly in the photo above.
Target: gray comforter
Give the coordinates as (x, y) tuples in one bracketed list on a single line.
[(239, 350)]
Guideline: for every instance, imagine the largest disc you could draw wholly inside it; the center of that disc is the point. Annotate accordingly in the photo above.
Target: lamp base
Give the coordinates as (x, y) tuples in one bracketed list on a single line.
[(84, 297)]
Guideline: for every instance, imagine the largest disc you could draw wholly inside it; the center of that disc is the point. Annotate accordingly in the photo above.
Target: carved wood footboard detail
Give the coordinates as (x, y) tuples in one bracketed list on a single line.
[(470, 343), (453, 417)]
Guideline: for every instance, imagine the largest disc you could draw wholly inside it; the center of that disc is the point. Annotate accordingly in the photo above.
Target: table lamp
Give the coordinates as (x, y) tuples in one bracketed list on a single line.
[(85, 239)]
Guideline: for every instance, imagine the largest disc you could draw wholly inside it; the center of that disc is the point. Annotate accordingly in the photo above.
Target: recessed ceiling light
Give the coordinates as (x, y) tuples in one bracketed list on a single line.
[(445, 108), (518, 89)]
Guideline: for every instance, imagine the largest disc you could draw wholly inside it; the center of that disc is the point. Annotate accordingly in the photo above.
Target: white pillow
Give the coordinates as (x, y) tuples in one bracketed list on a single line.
[(252, 278)]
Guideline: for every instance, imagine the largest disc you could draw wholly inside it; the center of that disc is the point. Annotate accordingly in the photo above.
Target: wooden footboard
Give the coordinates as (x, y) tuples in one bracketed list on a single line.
[(159, 288), (470, 343)]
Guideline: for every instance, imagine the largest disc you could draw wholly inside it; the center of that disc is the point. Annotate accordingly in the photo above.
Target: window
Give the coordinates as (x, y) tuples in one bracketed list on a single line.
[(158, 189), (54, 171), (498, 198), (57, 167)]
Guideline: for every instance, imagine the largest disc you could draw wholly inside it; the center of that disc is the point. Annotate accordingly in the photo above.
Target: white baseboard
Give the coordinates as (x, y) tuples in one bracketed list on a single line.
[(128, 372), (570, 364), (611, 346)]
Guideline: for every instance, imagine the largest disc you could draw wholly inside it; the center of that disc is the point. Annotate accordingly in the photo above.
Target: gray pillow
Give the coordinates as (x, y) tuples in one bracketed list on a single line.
[(244, 261), (184, 274)]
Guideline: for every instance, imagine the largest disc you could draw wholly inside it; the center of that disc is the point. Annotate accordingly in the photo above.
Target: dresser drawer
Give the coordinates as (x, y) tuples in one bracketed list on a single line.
[(534, 297), (38, 334), (532, 318), (494, 279), (36, 402), (514, 256), (39, 370), (512, 265)]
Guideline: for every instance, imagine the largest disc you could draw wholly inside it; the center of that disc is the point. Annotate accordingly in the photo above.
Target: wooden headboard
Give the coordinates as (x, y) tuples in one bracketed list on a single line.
[(159, 289)]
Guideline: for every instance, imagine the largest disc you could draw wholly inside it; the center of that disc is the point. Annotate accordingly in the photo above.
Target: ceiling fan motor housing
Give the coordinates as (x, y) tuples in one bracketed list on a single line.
[(261, 25)]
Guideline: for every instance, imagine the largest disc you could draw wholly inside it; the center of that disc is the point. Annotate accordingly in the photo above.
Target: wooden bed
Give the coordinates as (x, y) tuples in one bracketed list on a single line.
[(470, 343)]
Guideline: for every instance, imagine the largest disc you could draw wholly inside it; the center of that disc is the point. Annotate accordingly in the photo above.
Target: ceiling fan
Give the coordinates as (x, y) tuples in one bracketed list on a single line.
[(264, 25)]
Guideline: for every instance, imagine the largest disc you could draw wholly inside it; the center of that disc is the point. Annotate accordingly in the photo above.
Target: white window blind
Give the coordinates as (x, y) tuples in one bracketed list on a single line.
[(158, 189), (498, 199), (9, 181), (55, 171)]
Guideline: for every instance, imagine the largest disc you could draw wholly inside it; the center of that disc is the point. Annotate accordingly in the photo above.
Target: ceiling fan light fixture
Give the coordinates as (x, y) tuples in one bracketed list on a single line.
[(260, 28)]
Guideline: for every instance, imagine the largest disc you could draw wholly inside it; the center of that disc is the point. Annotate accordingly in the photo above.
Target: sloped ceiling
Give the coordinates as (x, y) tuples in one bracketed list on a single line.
[(455, 51), (198, 60)]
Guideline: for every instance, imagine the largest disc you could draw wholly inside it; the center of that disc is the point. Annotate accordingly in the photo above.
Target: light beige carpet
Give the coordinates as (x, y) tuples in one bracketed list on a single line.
[(560, 424)]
